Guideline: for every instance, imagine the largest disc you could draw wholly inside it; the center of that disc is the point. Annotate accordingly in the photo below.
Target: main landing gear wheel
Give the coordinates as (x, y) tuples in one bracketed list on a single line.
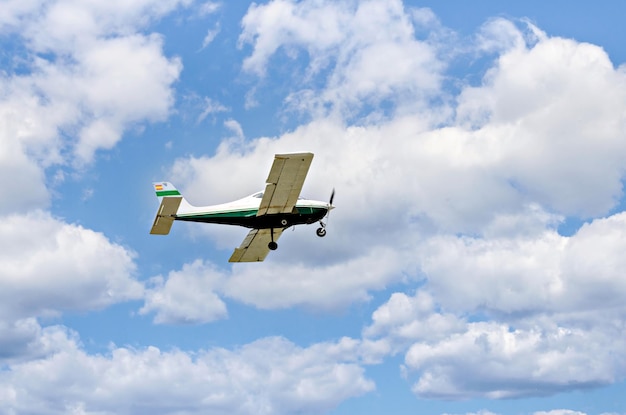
[(321, 232)]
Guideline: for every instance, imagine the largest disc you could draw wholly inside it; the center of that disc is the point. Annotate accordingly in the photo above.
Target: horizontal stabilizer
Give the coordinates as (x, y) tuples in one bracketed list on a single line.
[(166, 215)]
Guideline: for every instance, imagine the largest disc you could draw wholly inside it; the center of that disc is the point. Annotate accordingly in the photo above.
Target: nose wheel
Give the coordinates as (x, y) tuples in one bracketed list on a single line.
[(321, 231)]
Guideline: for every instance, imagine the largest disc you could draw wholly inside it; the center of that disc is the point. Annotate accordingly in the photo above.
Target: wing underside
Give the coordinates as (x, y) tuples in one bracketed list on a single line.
[(255, 247), (284, 183)]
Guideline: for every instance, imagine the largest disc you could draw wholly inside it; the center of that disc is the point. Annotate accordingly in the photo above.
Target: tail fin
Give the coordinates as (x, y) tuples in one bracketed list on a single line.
[(171, 203), (164, 189)]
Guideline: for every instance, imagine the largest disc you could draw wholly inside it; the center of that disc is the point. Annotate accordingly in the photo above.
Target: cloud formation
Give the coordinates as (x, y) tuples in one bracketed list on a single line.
[(48, 266), (451, 198), (470, 208), (268, 376)]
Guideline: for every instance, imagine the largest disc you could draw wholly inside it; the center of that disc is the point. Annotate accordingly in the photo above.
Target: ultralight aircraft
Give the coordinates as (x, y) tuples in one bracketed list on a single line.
[(267, 213)]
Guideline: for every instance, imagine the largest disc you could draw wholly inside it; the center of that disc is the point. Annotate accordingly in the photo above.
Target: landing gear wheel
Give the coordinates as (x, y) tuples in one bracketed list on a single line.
[(321, 232), (272, 246)]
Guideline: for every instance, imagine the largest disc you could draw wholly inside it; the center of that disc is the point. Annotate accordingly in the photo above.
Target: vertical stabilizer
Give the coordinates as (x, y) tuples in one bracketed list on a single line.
[(171, 203), (167, 189)]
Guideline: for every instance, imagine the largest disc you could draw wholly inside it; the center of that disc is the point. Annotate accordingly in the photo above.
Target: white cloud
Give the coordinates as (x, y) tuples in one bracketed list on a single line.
[(269, 26), (368, 49), (500, 35), (20, 339), (268, 376), (64, 24), (552, 308), (209, 8), (186, 296), (403, 320), (553, 112), (506, 363), (283, 285), (192, 295), (210, 36), (86, 77), (236, 129), (47, 266), (21, 179), (116, 82), (546, 272)]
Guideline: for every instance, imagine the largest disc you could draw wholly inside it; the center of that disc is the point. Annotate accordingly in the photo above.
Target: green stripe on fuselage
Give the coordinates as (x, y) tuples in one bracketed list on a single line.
[(163, 193), (227, 214)]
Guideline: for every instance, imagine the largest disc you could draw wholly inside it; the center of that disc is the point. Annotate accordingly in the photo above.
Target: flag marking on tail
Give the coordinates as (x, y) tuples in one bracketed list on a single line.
[(165, 189)]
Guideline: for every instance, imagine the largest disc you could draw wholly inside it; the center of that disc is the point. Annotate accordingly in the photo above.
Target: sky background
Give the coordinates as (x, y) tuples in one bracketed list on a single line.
[(473, 265)]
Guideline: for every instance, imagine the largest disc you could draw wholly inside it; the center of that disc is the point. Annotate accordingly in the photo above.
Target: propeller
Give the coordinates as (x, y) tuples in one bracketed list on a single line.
[(330, 203)]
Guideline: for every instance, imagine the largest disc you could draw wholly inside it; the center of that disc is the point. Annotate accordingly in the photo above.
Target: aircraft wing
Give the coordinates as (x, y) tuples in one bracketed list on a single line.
[(284, 183), (254, 248)]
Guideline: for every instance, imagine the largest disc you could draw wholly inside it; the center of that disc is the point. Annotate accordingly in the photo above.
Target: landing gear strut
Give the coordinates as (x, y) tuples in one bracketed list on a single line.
[(272, 245)]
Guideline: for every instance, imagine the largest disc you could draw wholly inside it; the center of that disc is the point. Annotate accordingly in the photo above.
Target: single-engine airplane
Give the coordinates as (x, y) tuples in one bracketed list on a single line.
[(267, 213)]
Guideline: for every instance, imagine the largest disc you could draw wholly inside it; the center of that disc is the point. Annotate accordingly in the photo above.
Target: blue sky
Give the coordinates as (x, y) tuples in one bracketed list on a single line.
[(473, 265)]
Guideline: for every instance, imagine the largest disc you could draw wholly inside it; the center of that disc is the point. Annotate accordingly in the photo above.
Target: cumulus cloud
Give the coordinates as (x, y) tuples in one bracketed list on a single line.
[(350, 45), (556, 105), (507, 363), (327, 286), (186, 296), (193, 294), (405, 319), (65, 23), (85, 76), (268, 376), (549, 309), (20, 176), (20, 339), (543, 273), (460, 201), (48, 266)]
